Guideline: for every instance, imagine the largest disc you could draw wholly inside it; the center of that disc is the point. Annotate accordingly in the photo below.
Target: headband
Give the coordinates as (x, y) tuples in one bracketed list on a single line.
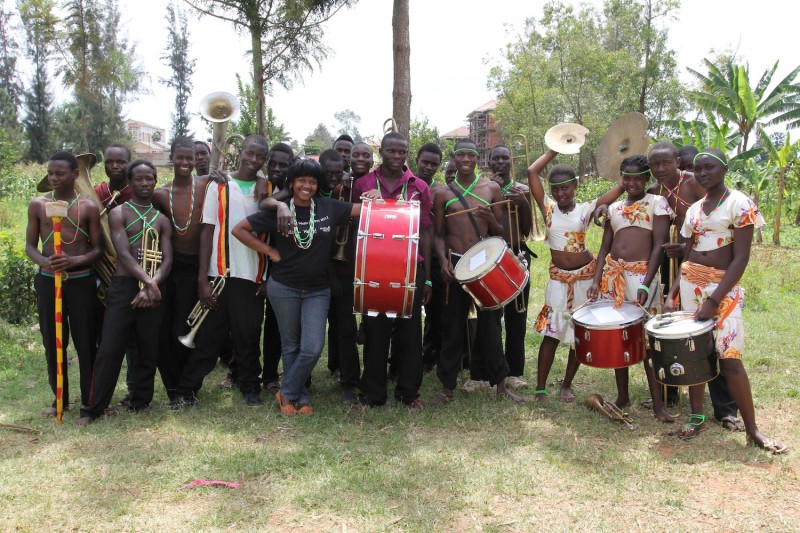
[(470, 150), (724, 164), (563, 182), (634, 173)]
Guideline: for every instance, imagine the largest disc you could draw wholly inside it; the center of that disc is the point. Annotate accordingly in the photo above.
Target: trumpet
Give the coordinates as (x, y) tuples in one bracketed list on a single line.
[(343, 232), (610, 410), (149, 253), (199, 313)]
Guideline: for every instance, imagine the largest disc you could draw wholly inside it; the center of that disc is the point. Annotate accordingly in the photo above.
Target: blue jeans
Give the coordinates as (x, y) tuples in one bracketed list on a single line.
[(301, 321)]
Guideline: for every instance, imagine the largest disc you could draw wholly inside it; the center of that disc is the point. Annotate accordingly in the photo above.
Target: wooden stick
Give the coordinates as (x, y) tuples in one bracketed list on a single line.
[(476, 208)]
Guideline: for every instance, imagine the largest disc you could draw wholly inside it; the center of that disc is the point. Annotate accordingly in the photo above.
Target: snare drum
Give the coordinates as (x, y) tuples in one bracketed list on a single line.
[(491, 273), (609, 338), (683, 349), (386, 258)]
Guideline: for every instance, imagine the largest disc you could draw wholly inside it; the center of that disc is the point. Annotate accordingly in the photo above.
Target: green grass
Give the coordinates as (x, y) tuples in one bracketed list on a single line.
[(478, 464)]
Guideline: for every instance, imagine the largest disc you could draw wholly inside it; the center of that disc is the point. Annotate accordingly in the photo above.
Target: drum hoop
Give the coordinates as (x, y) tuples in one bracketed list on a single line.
[(608, 327), (499, 258), (664, 336), (507, 300)]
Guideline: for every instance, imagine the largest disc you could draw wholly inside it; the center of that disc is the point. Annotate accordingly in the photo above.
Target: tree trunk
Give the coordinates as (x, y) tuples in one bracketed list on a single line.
[(776, 231), (797, 217), (401, 42), (757, 200), (258, 81)]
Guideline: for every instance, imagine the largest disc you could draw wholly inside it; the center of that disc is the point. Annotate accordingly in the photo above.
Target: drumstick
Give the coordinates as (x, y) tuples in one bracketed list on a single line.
[(447, 287), (476, 208)]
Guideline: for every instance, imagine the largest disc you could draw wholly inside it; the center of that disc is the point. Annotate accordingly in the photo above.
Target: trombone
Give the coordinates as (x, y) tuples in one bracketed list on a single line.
[(343, 232), (519, 150), (149, 253), (514, 235), (199, 313)]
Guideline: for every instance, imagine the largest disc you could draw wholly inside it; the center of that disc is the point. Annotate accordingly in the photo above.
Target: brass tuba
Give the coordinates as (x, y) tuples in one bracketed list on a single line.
[(392, 126), (219, 108)]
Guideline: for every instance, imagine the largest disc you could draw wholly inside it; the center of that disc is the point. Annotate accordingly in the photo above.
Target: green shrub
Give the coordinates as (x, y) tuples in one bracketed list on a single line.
[(19, 181), (17, 298)]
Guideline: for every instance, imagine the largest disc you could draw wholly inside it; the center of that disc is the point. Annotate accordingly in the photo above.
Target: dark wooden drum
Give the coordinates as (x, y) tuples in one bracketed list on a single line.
[(683, 349)]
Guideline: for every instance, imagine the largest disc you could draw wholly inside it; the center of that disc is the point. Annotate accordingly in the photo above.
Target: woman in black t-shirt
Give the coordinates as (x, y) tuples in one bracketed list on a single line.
[(303, 227)]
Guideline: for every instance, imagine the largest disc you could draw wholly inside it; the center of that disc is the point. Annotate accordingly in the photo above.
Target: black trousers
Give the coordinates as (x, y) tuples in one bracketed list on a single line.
[(272, 345), (79, 314), (239, 313), (120, 324), (407, 341), (516, 327), (179, 296), (432, 333), (487, 352), (342, 327)]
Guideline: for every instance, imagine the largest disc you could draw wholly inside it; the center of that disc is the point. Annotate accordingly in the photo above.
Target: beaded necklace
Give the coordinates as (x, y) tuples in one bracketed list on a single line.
[(402, 195), (181, 230), (504, 189), (303, 241), (702, 213), (77, 225), (140, 216), (674, 192)]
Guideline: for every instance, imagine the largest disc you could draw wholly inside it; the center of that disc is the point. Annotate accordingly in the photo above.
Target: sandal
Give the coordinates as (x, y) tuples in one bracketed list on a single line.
[(731, 423), (693, 428), (773, 446), (304, 410), (287, 409)]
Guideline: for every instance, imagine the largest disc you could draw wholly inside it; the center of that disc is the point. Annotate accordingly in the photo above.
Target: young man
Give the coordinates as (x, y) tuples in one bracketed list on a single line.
[(181, 201), (343, 361), (80, 247), (429, 159), (686, 156), (202, 158), (394, 180), (239, 309), (280, 156), (133, 302), (515, 230), (344, 145), (454, 236), (682, 190), (116, 159), (361, 160)]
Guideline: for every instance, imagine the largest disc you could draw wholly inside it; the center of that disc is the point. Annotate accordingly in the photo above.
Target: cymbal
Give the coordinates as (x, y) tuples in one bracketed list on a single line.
[(566, 138), (91, 161), (625, 137)]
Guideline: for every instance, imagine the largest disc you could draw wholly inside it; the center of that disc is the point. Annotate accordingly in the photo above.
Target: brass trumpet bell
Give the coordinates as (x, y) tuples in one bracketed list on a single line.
[(85, 163)]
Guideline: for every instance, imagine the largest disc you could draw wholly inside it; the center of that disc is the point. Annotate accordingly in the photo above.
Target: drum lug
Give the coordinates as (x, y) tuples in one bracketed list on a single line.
[(627, 357), (378, 235), (373, 313), (586, 335), (676, 369), (625, 335), (657, 345), (588, 357), (399, 237), (390, 314), (661, 374), (395, 284), (690, 343), (390, 217)]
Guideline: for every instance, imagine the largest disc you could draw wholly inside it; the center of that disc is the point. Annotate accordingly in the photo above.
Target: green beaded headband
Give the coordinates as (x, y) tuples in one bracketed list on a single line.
[(635, 173), (724, 164), (563, 182), (469, 150)]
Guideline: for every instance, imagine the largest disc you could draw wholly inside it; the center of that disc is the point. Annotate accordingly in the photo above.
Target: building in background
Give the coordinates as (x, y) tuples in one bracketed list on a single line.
[(149, 142), (483, 132)]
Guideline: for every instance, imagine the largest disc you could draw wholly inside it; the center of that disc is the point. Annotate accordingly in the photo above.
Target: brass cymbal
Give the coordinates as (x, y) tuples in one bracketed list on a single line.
[(566, 138), (89, 160), (625, 137)]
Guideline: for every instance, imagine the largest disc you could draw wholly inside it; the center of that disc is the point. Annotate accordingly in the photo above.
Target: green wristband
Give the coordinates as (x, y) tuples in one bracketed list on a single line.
[(543, 391), (645, 288), (429, 283)]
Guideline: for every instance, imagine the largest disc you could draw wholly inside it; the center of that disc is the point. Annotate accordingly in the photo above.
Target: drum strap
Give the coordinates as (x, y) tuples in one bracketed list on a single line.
[(466, 206)]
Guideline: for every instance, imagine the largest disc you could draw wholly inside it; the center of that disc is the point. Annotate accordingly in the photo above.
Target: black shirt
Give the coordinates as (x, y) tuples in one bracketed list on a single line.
[(304, 269)]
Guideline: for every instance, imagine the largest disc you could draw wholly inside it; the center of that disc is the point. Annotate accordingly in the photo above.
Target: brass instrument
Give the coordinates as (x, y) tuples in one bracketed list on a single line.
[(105, 266), (343, 232), (220, 108), (519, 150), (610, 410), (199, 313), (392, 128), (149, 253), (514, 235), (114, 196)]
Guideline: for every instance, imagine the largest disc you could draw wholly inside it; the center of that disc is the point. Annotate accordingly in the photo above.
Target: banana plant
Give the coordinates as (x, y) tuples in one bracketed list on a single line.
[(783, 160)]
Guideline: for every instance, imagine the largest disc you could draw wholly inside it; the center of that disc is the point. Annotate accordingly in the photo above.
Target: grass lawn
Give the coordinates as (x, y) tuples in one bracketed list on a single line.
[(477, 464)]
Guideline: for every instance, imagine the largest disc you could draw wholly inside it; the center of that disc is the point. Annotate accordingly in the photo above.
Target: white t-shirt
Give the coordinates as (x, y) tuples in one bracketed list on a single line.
[(244, 262)]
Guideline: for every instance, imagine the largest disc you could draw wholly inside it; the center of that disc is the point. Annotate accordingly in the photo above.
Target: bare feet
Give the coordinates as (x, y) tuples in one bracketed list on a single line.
[(663, 416), (503, 392), (441, 399), (566, 395), (83, 421), (50, 412), (622, 402), (693, 427), (759, 440)]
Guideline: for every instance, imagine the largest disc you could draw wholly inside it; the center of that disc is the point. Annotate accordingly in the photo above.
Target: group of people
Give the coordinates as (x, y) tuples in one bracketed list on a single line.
[(271, 241)]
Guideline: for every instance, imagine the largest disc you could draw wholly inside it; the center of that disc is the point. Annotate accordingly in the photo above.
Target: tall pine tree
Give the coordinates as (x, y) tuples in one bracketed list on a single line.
[(182, 67), (10, 88), (40, 26)]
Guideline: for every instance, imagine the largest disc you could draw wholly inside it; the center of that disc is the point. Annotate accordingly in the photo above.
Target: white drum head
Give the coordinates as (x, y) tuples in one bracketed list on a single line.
[(602, 315), (678, 325), (480, 259)]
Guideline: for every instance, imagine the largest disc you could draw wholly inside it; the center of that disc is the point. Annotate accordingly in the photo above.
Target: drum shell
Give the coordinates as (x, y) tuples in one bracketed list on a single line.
[(500, 284), (695, 357), (386, 258), (609, 347)]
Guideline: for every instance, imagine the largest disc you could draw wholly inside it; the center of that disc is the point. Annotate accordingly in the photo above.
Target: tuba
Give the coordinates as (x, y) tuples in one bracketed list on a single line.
[(219, 108), (392, 126)]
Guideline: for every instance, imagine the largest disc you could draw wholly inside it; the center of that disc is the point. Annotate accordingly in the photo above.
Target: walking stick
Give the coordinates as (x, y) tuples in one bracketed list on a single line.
[(56, 211)]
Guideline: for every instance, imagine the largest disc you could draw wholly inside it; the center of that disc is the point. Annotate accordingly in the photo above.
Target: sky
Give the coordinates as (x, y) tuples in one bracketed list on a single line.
[(454, 43)]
